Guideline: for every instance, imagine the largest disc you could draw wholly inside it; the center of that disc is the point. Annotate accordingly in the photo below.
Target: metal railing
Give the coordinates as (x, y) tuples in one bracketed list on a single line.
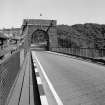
[(84, 52)]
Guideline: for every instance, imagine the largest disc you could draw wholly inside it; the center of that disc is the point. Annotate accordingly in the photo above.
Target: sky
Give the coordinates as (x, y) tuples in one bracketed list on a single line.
[(12, 12)]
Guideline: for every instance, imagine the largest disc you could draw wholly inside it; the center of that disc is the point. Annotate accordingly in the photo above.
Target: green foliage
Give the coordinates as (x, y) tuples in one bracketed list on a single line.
[(87, 35)]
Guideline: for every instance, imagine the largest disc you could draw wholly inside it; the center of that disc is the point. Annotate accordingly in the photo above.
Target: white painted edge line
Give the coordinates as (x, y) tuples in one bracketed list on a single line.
[(57, 53), (39, 81), (34, 65), (33, 55), (70, 56), (44, 100), (34, 60), (36, 70), (57, 98), (65, 55)]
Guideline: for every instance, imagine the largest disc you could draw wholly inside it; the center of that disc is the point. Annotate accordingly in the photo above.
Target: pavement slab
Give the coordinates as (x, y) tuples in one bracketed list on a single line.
[(23, 90)]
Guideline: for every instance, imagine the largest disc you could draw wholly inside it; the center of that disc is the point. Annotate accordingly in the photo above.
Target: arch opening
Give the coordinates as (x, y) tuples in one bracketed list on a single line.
[(40, 38)]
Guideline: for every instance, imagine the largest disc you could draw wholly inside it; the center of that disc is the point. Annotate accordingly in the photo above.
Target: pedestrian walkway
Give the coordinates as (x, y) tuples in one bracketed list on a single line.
[(22, 91)]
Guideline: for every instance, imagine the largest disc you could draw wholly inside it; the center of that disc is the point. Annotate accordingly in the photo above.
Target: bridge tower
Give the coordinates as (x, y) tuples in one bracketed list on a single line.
[(29, 26)]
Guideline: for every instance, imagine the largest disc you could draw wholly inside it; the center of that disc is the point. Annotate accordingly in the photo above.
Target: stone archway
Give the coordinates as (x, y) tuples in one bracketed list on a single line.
[(41, 38), (31, 25)]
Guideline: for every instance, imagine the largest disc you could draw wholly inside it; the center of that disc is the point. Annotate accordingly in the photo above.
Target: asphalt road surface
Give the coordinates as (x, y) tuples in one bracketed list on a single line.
[(75, 81)]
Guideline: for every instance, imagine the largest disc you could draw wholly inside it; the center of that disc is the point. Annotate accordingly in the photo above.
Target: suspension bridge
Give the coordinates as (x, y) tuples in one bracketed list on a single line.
[(40, 72)]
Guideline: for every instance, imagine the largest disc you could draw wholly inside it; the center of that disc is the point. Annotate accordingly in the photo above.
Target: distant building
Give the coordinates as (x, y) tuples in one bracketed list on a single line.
[(3, 40), (13, 32)]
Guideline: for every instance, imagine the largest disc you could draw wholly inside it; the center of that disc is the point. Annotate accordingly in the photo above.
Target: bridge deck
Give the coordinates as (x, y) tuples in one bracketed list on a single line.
[(61, 80), (71, 81)]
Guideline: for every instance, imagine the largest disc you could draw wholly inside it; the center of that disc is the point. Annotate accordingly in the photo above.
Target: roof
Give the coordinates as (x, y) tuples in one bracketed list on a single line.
[(38, 22), (3, 36)]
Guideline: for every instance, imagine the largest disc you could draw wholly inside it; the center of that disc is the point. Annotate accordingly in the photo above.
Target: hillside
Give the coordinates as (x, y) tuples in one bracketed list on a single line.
[(87, 35)]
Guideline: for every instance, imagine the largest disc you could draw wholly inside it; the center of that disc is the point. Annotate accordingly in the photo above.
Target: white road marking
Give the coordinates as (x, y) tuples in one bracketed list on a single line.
[(36, 70), (34, 65), (39, 81), (44, 100), (57, 98), (34, 60), (42, 97)]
